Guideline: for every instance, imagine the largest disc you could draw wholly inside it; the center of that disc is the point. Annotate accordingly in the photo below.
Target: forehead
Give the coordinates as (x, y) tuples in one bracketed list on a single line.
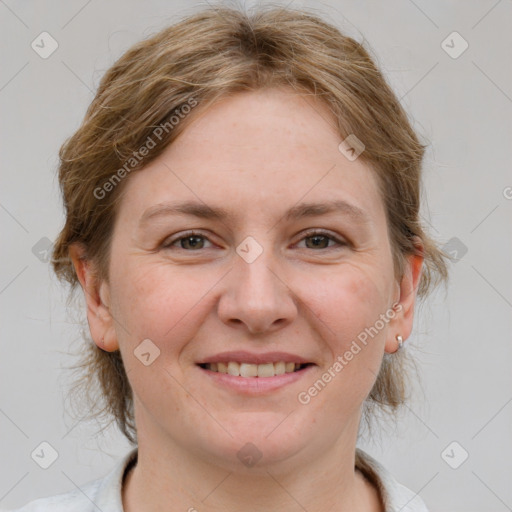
[(274, 125), (255, 151)]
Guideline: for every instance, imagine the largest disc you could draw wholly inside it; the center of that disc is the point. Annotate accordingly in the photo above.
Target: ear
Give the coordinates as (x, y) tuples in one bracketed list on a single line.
[(97, 297), (402, 322)]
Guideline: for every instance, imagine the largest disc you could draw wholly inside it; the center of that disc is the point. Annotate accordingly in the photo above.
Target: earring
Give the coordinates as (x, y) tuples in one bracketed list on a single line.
[(400, 342)]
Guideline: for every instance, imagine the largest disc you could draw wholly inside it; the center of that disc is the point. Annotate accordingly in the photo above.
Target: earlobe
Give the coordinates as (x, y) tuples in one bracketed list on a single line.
[(408, 288), (96, 296)]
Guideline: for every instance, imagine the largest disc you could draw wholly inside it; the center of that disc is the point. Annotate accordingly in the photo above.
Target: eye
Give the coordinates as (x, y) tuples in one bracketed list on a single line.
[(321, 240), (189, 242), (193, 241)]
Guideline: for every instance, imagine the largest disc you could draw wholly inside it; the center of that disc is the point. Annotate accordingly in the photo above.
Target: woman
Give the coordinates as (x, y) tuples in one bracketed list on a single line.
[(242, 214)]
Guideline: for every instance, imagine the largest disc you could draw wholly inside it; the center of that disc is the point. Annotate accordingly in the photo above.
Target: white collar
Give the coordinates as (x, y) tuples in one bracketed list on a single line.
[(396, 497)]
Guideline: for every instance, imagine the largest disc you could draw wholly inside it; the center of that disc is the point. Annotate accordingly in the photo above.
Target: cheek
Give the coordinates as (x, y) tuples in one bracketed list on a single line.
[(346, 305), (154, 300), (352, 300), (350, 305)]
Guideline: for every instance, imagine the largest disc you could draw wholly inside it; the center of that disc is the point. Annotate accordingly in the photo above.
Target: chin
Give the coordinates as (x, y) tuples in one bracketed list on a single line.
[(260, 441)]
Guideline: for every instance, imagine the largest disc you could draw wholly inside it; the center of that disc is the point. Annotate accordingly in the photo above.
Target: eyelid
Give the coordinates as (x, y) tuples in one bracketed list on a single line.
[(318, 231), (305, 234), (166, 243)]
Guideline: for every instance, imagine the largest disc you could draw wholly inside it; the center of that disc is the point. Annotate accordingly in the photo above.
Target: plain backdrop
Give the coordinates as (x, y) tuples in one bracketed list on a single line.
[(460, 102)]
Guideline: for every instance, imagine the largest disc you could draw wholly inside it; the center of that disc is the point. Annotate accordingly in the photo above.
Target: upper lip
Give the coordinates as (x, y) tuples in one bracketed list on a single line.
[(253, 358)]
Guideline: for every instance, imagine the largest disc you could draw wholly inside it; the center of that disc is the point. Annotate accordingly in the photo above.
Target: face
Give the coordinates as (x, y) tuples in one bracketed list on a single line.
[(252, 239)]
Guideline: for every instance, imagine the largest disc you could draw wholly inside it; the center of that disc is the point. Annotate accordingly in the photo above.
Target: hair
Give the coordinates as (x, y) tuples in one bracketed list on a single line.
[(203, 58)]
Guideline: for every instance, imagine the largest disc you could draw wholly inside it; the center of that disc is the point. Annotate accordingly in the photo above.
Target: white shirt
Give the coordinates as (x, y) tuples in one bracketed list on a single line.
[(105, 493)]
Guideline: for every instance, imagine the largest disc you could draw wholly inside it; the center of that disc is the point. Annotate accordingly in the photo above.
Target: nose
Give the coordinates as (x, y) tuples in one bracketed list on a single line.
[(256, 297)]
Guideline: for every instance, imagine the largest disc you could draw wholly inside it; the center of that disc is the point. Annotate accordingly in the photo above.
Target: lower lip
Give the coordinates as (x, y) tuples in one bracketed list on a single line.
[(256, 385)]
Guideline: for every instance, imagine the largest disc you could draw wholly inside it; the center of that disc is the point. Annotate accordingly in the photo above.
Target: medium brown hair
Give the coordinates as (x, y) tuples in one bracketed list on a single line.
[(203, 58)]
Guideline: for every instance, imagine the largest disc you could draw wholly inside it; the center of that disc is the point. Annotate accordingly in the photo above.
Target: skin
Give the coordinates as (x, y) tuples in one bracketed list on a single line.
[(256, 154)]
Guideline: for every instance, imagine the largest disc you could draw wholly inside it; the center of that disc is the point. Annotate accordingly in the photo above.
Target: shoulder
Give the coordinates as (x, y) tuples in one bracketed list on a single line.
[(395, 496), (101, 494), (74, 501)]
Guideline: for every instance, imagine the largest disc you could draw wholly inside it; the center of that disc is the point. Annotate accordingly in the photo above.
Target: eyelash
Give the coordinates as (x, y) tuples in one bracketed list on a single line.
[(308, 234)]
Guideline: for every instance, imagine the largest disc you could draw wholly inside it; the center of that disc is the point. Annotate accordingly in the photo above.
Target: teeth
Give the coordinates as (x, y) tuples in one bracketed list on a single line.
[(233, 368), (265, 370), (248, 370), (279, 368), (254, 370)]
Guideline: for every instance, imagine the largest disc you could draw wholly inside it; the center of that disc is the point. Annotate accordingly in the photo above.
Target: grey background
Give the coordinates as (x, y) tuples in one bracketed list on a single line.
[(462, 337)]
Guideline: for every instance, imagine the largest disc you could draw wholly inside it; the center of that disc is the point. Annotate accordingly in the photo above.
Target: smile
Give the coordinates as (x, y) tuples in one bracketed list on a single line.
[(249, 370)]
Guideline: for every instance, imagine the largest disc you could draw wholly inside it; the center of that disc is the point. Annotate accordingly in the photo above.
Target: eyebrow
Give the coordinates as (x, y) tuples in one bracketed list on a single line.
[(299, 211)]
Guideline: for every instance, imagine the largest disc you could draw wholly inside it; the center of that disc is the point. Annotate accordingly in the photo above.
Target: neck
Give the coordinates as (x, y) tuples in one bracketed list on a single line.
[(176, 480)]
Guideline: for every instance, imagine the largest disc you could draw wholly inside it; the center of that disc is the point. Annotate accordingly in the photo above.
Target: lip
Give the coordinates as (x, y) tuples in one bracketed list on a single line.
[(255, 385), (254, 358)]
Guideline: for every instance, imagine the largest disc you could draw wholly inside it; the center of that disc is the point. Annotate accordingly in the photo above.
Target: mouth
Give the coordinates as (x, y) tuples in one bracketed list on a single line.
[(254, 371), (254, 375)]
